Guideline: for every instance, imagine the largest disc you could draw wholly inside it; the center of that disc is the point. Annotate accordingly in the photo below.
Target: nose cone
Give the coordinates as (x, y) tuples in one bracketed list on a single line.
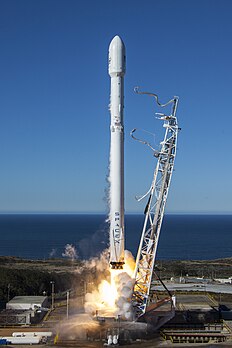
[(117, 57)]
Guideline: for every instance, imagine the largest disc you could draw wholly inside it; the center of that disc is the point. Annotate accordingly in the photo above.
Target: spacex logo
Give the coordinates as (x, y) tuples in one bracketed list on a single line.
[(117, 226)]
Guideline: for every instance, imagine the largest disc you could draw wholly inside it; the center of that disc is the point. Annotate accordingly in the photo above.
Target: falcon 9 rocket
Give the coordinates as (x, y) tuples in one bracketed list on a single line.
[(117, 68)]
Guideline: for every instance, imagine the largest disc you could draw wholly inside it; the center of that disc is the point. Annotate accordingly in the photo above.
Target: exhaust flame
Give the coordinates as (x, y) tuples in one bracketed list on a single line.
[(112, 298)]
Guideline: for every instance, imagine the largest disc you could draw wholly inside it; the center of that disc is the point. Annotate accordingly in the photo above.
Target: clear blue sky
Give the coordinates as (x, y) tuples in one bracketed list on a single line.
[(54, 130)]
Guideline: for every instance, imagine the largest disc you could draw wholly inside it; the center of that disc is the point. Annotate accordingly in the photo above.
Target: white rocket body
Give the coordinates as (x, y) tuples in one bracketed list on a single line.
[(117, 68)]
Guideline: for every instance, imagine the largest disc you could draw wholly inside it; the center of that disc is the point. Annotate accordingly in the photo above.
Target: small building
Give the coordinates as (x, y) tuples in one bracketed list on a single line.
[(224, 280), (27, 302), (24, 310)]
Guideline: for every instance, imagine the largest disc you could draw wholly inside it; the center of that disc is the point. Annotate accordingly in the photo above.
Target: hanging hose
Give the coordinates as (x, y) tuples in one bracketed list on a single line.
[(136, 89), (141, 141)]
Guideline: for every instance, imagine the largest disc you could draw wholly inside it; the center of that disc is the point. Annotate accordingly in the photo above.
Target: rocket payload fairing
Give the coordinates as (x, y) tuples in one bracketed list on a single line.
[(117, 68)]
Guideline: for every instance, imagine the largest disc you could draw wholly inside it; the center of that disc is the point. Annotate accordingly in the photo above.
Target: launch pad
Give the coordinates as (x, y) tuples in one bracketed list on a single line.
[(196, 319)]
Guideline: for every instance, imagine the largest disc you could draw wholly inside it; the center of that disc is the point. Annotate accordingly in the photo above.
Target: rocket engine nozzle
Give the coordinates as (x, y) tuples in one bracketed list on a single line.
[(117, 265)]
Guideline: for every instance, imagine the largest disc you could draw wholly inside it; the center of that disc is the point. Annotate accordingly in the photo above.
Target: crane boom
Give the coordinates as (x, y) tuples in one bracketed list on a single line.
[(154, 210)]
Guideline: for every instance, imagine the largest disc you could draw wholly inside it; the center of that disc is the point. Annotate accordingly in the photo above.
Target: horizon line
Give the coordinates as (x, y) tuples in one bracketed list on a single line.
[(105, 213)]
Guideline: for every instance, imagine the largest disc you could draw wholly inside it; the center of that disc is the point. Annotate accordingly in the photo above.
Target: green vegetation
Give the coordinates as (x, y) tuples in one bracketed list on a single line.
[(221, 268), (20, 277), (16, 282)]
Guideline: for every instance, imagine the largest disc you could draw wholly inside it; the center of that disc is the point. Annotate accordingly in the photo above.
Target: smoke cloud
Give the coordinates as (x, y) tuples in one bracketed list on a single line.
[(95, 244), (113, 294), (124, 285), (77, 327), (70, 252), (52, 252)]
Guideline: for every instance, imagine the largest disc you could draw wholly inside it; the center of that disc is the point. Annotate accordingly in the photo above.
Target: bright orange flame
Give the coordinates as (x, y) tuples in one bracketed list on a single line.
[(104, 299), (108, 294)]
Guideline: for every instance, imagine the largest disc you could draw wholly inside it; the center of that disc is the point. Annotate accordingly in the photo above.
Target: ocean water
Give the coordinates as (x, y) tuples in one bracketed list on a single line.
[(182, 236)]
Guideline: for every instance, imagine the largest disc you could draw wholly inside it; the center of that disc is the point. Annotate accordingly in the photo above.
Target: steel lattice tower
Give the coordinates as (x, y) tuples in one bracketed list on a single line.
[(154, 210)]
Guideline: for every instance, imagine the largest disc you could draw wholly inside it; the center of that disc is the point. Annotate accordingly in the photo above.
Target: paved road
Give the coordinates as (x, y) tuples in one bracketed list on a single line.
[(217, 288)]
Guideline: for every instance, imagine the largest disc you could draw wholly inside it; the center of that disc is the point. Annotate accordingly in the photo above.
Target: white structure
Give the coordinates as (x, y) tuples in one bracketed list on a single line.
[(154, 211), (32, 333), (224, 280), (23, 340), (27, 302), (117, 70)]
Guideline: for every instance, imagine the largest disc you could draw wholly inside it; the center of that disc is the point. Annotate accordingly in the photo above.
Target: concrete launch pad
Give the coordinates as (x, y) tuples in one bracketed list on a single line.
[(194, 302)]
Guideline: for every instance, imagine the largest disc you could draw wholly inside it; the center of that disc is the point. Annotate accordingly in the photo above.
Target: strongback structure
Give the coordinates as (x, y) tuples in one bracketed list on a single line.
[(154, 211)]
